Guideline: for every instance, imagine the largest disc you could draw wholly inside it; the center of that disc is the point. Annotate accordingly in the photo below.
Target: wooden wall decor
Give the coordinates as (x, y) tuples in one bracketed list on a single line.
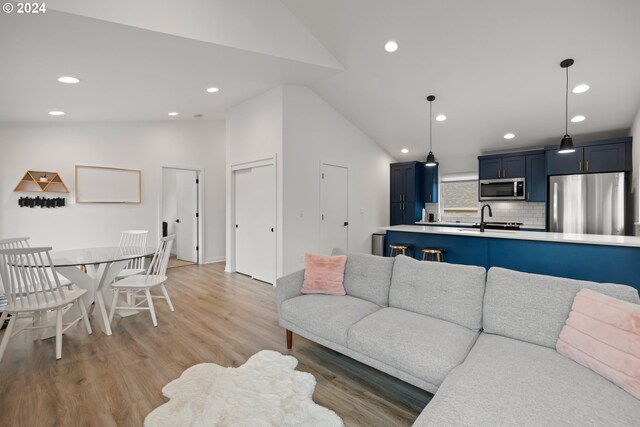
[(98, 184), (41, 181)]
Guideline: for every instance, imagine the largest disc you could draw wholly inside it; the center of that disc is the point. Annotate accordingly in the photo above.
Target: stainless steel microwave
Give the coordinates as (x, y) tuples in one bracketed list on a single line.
[(502, 189)]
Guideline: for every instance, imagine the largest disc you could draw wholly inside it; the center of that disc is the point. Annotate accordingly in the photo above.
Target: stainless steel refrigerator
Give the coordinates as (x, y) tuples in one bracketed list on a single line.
[(588, 203)]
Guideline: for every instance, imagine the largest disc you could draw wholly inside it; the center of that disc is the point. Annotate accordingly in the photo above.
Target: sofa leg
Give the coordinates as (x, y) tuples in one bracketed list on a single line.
[(289, 339)]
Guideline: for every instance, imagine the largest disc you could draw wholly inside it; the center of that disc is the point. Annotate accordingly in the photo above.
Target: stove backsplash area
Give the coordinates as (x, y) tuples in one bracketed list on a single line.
[(528, 213)]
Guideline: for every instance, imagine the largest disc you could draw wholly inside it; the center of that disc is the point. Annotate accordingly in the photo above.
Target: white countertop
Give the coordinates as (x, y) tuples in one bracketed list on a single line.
[(589, 239), (469, 224)]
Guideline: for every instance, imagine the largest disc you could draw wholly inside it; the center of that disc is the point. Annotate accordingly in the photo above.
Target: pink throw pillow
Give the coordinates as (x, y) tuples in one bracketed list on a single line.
[(324, 274), (603, 334)]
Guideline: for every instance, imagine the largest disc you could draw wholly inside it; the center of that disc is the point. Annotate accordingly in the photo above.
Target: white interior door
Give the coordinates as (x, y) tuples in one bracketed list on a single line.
[(334, 208), (255, 202), (264, 223), (243, 196), (186, 221)]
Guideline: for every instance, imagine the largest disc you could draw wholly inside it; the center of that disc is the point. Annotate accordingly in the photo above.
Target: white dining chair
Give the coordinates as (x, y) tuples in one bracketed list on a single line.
[(133, 240), (23, 242), (31, 291), (134, 286)]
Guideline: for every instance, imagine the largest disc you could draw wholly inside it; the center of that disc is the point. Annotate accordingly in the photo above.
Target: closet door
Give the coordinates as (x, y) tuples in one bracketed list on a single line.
[(255, 213), (244, 221), (264, 224)]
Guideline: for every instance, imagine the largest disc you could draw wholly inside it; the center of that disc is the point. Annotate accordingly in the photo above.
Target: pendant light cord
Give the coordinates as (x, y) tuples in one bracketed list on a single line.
[(566, 105), (430, 124)]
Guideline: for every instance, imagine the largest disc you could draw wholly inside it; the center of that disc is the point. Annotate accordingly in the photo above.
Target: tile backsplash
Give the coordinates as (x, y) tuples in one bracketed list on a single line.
[(525, 212)]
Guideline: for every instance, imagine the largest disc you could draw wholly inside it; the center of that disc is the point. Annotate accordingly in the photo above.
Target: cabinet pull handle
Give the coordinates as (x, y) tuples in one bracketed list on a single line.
[(587, 165), (580, 166), (498, 173), (528, 195), (504, 173)]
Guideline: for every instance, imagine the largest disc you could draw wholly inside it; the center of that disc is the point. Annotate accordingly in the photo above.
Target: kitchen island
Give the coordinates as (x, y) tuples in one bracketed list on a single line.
[(613, 259)]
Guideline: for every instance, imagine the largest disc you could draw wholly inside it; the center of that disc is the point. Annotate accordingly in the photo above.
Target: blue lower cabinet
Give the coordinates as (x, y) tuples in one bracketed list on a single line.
[(598, 263)]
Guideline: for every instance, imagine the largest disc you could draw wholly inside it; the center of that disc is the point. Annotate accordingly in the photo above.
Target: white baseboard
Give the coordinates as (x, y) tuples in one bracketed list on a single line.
[(216, 259)]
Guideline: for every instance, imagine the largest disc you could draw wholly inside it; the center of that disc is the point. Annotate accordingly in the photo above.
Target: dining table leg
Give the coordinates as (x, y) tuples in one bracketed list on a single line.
[(96, 281)]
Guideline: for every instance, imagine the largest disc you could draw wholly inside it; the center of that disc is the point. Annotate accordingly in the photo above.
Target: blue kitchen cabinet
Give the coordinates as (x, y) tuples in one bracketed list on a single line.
[(407, 198), (430, 185), (490, 168), (503, 166), (565, 164), (612, 155), (536, 178), (607, 158), (513, 167)]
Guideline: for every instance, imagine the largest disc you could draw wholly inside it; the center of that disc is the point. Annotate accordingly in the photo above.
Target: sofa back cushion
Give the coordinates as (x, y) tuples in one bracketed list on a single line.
[(533, 307), (368, 277), (448, 292)]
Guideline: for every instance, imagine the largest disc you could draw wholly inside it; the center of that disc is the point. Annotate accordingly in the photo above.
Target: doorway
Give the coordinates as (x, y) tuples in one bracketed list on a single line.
[(255, 222), (334, 208), (180, 214)]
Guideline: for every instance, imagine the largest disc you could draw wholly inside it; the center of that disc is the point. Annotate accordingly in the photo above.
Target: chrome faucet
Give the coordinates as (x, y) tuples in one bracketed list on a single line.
[(482, 223)]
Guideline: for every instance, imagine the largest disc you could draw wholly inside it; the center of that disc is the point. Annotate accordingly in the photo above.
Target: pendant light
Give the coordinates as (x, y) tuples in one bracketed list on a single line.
[(566, 145), (431, 159)]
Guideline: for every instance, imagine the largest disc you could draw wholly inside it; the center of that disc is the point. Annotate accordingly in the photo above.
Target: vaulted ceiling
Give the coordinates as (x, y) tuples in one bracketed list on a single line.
[(493, 65)]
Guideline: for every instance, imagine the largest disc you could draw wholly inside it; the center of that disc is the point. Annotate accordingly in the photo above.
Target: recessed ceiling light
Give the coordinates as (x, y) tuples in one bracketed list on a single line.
[(68, 80), (580, 88), (56, 113), (578, 119), (213, 90), (404, 151), (391, 46), (441, 117), (509, 135), (173, 113)]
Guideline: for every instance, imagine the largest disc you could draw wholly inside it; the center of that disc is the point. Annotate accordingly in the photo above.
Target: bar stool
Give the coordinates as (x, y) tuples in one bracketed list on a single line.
[(399, 249), (432, 254)]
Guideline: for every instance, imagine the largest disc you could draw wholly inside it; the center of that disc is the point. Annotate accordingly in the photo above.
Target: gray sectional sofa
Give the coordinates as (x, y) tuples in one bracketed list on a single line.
[(483, 343)]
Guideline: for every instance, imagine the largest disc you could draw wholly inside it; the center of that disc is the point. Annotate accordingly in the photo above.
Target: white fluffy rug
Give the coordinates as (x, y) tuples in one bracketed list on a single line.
[(265, 391)]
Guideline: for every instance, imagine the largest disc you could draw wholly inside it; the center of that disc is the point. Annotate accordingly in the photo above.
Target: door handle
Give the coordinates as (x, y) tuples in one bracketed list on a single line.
[(346, 223)]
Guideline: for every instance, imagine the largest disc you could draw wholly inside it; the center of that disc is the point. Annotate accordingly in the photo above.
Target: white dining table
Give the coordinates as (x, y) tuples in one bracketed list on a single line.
[(94, 269)]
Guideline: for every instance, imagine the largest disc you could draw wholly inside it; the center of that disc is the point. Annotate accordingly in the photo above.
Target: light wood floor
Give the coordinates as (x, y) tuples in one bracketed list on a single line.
[(220, 318), (175, 262)]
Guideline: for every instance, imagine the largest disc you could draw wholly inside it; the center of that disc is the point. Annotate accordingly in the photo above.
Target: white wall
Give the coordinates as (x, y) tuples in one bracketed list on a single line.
[(147, 146), (313, 133), (254, 132)]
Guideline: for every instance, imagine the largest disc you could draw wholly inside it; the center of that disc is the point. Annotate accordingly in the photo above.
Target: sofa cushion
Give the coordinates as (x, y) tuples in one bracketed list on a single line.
[(324, 274), (328, 316), (603, 334), (368, 277), (419, 345), (448, 292), (533, 307), (506, 382)]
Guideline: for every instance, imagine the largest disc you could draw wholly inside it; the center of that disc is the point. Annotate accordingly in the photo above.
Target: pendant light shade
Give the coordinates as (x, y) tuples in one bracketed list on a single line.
[(431, 159), (566, 145)]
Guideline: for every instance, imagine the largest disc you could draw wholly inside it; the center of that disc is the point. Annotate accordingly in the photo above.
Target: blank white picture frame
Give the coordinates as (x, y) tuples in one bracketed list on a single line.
[(99, 184)]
